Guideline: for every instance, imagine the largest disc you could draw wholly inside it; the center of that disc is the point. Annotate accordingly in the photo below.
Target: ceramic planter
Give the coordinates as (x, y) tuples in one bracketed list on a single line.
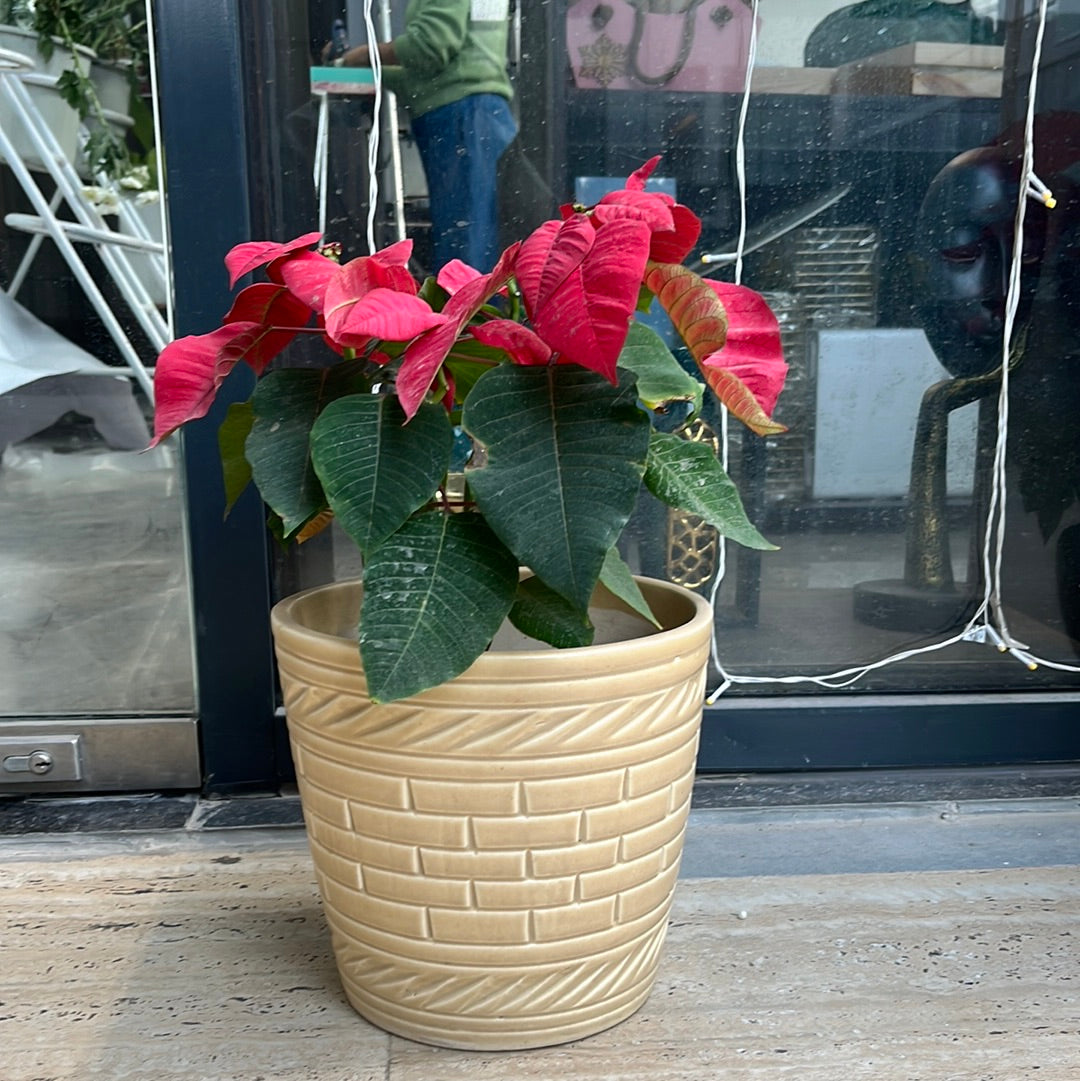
[(497, 856), (41, 81)]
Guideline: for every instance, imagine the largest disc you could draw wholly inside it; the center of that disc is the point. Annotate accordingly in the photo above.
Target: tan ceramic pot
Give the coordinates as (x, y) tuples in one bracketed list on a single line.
[(497, 856)]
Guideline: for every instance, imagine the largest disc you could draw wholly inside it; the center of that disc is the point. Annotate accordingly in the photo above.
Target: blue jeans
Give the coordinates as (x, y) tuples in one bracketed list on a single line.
[(460, 145)]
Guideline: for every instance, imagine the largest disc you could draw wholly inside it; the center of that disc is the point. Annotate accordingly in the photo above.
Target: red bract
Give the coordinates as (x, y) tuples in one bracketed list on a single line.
[(189, 372), (675, 228), (306, 275), (455, 275), (270, 305), (753, 351), (245, 258), (519, 343), (732, 335), (375, 297), (423, 358), (639, 177), (580, 286), (675, 246), (650, 207)]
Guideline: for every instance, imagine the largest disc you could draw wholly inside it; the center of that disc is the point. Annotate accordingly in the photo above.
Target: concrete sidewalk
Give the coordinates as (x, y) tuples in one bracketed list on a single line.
[(203, 956)]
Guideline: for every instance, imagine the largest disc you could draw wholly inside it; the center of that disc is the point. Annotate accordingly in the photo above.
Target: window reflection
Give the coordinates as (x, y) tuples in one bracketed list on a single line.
[(93, 562), (882, 176)]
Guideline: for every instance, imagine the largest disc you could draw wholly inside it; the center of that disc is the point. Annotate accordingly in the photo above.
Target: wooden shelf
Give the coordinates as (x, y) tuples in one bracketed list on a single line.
[(918, 69)]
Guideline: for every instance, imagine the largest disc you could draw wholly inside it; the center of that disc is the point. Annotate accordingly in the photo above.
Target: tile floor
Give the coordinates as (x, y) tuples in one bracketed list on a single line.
[(203, 956)]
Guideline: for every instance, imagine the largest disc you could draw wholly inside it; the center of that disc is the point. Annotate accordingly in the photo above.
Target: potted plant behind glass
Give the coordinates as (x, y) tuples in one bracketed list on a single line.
[(93, 55), (496, 832)]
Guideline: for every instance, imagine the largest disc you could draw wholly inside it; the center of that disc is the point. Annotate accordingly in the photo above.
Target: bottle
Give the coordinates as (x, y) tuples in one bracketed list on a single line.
[(339, 40)]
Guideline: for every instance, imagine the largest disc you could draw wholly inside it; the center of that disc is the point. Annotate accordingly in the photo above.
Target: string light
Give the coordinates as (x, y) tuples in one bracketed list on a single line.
[(376, 125), (1038, 191)]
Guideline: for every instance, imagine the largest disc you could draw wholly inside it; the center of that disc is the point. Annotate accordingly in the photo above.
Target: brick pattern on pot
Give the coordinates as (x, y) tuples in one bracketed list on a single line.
[(494, 870)]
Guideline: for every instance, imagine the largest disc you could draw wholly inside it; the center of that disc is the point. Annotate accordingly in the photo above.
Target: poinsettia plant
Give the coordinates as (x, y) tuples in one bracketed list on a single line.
[(539, 363)]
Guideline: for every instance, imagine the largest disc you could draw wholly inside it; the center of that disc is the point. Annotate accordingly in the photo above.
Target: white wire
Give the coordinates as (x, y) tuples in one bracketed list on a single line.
[(376, 125), (995, 531), (740, 141), (994, 539), (977, 629), (740, 174), (322, 156)]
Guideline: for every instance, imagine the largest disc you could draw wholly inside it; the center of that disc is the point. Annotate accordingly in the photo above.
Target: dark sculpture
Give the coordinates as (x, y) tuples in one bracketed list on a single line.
[(964, 249)]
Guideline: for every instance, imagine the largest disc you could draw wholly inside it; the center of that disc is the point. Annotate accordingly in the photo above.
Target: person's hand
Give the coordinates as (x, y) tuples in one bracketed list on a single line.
[(356, 57)]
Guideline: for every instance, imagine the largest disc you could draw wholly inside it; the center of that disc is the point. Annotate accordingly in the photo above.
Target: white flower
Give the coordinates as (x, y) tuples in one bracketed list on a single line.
[(103, 200), (137, 178)]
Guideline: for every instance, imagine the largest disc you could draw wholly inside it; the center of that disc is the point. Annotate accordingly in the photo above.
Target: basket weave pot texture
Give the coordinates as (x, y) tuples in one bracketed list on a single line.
[(497, 856)]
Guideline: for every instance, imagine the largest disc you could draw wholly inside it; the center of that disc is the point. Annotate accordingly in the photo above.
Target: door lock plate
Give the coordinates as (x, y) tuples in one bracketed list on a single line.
[(33, 759)]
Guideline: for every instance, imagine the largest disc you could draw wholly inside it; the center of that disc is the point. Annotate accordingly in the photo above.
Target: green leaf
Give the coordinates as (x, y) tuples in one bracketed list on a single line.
[(465, 373), (688, 476), (435, 593), (70, 87), (618, 579), (235, 468), (377, 470), (660, 377), (286, 404), (541, 613), (433, 293), (565, 455)]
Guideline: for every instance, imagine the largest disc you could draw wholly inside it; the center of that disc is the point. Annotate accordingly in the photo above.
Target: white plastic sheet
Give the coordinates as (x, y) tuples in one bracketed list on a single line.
[(43, 376)]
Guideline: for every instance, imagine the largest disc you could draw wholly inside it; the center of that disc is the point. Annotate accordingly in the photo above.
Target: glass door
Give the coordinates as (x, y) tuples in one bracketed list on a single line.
[(97, 687), (842, 187)]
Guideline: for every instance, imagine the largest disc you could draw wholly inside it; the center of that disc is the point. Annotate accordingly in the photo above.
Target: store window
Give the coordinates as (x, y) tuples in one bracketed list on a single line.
[(868, 185), (881, 156)]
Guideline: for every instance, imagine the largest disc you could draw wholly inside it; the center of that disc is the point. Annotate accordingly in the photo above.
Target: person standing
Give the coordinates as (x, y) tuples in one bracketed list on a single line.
[(448, 66)]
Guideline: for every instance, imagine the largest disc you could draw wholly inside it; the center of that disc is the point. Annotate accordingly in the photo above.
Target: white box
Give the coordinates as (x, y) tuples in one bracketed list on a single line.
[(869, 387)]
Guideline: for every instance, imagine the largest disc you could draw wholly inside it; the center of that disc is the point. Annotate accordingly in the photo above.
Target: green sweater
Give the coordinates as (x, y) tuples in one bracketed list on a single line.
[(448, 50)]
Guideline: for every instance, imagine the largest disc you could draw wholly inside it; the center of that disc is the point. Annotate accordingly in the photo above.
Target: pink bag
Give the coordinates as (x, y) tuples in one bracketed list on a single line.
[(688, 45)]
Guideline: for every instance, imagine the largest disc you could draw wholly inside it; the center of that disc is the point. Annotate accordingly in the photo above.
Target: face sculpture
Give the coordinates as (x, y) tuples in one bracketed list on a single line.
[(964, 245)]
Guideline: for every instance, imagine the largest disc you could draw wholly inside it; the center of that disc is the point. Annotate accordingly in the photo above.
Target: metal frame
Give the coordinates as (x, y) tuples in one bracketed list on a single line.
[(202, 101)]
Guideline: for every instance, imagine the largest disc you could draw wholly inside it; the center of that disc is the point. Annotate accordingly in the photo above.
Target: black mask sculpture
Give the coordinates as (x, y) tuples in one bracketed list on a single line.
[(963, 252)]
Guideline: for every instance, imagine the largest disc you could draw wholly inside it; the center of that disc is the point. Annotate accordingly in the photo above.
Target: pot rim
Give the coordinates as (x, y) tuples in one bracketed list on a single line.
[(685, 635)]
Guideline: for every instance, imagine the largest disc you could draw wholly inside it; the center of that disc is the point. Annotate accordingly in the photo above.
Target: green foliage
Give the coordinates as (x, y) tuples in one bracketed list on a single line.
[(376, 469), (232, 435), (618, 579), (115, 30), (286, 404), (542, 614), (687, 476), (565, 456), (661, 380), (435, 593)]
